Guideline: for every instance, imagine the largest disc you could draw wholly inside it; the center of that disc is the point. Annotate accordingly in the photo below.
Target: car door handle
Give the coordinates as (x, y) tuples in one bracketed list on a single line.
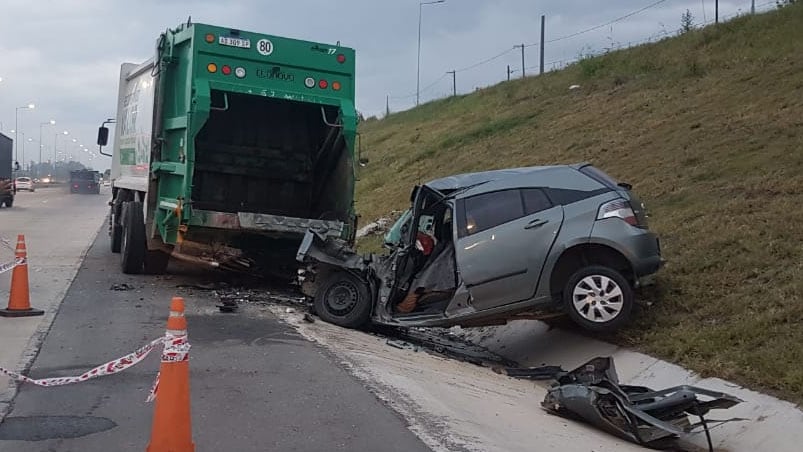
[(536, 224)]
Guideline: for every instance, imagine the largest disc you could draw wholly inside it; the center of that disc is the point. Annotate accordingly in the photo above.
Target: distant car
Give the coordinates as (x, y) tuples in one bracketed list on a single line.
[(24, 183), (484, 248), (85, 181), (106, 182), (45, 180)]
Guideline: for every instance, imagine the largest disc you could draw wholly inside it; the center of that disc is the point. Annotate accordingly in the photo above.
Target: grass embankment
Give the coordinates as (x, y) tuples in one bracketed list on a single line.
[(708, 127)]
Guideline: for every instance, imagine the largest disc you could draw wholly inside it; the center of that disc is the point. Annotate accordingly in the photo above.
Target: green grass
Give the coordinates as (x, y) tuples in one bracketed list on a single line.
[(708, 127)]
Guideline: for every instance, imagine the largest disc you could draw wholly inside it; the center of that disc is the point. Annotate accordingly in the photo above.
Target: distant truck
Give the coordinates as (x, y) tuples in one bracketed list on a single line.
[(231, 140), (7, 189), (85, 181)]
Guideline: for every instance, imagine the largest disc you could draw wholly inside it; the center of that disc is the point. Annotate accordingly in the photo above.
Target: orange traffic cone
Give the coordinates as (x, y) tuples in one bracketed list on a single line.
[(171, 430), (19, 299)]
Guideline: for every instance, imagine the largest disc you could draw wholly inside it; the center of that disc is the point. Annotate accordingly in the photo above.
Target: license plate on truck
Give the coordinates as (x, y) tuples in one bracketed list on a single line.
[(234, 42)]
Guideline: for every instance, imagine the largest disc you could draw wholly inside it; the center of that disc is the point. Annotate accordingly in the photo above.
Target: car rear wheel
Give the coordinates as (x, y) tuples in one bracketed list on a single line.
[(9, 202), (133, 244), (343, 300), (598, 298)]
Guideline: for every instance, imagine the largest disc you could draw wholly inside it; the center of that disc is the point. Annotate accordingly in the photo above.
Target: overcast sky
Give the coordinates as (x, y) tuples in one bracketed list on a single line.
[(64, 55)]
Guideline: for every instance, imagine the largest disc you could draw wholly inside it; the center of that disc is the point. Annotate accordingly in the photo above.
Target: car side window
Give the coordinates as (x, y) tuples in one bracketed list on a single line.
[(535, 200), (488, 210)]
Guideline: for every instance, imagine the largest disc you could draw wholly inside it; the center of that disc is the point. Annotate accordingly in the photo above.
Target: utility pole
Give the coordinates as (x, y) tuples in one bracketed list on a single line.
[(454, 82), (543, 21), (418, 70), (753, 7), (508, 72), (522, 59), (387, 105), (716, 11)]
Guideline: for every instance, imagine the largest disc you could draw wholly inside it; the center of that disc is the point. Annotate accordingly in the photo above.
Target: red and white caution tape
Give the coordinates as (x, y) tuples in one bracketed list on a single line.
[(111, 367), (176, 350), (7, 267)]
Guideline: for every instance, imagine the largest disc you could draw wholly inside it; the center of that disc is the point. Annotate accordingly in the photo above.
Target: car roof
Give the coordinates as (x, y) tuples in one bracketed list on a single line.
[(466, 180)]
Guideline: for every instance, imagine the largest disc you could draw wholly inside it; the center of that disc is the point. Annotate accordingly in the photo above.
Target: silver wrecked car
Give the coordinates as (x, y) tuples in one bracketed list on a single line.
[(491, 247)]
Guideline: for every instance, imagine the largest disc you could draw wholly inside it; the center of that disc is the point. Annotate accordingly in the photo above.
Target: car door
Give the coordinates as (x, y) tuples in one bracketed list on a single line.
[(504, 240)]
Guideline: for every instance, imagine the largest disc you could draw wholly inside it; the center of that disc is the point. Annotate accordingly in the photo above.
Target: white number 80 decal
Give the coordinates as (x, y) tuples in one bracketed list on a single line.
[(265, 47)]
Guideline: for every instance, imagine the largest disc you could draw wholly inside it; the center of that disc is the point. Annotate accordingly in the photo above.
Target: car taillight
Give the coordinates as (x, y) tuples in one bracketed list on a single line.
[(618, 208)]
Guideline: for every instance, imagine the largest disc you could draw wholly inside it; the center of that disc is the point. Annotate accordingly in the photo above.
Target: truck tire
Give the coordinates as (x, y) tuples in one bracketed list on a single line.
[(156, 262), (9, 202), (343, 300), (116, 238), (598, 298), (116, 229), (133, 245)]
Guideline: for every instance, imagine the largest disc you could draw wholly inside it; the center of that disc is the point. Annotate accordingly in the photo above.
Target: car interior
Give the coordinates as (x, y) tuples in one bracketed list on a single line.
[(428, 277)]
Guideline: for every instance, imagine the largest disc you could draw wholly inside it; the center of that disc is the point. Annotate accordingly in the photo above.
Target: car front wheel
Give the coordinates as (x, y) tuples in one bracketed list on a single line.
[(343, 300), (598, 299)]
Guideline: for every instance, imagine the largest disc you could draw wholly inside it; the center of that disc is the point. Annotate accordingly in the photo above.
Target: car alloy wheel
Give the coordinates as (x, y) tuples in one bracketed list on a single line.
[(598, 298)]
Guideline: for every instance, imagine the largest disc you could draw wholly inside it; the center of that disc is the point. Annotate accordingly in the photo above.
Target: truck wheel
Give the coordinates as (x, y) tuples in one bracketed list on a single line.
[(133, 245), (9, 202), (156, 262), (598, 299), (343, 300), (116, 237), (116, 232)]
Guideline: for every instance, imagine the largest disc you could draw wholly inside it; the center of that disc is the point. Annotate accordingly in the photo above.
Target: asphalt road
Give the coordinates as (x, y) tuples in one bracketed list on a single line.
[(58, 229), (256, 384)]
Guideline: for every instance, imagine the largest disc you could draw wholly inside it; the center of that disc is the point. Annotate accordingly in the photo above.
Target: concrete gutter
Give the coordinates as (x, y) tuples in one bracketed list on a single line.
[(772, 424)]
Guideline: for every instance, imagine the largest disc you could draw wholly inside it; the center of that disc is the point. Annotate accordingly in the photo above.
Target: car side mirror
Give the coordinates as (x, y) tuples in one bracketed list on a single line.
[(103, 136)]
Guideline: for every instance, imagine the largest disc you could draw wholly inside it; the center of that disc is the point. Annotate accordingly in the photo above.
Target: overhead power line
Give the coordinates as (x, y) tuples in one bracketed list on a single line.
[(597, 27), (426, 88), (487, 60)]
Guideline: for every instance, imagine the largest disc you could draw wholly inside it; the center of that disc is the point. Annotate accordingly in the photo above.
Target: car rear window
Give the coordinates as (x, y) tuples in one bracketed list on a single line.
[(488, 210), (535, 200), (600, 176)]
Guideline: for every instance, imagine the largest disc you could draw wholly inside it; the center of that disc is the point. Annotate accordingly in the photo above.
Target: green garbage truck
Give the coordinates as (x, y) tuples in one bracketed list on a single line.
[(228, 146)]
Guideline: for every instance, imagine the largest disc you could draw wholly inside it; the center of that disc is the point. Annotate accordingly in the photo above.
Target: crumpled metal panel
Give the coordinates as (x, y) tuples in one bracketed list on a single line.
[(288, 225), (592, 393)]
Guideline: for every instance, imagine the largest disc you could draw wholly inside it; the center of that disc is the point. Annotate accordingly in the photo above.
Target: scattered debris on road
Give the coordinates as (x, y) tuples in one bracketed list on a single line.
[(122, 287), (638, 414)]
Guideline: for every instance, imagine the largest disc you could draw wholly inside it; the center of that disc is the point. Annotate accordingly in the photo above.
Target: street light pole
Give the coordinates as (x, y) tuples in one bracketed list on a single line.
[(17, 128), (418, 72), (41, 143), (55, 145)]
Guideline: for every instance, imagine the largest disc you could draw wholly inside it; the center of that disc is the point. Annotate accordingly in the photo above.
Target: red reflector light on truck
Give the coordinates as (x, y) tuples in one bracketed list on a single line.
[(341, 58), (323, 84), (226, 70), (210, 38)]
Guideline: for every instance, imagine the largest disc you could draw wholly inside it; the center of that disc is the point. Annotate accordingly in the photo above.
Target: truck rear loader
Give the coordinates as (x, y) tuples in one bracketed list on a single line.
[(228, 146)]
